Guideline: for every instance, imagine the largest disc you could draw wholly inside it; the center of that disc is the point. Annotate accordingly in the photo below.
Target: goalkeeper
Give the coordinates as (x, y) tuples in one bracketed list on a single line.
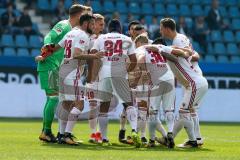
[(48, 69)]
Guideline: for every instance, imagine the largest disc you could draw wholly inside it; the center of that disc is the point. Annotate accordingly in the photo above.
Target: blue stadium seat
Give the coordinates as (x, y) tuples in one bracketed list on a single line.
[(223, 59), (134, 8), (197, 10), (123, 17), (196, 47), (184, 10), (159, 9), (223, 11), (7, 40), (108, 6), (146, 8), (209, 49), (234, 12), (35, 27), (67, 3), (210, 59), (232, 49), (235, 59), (182, 2), (231, 2), (121, 7), (148, 19), (215, 36), (53, 4), (23, 52), (193, 2), (172, 10), (2, 10), (206, 2), (17, 12), (206, 10), (35, 52), (21, 41), (237, 36), (236, 24), (35, 42), (96, 6), (228, 36), (219, 48), (43, 5), (189, 22), (9, 51)]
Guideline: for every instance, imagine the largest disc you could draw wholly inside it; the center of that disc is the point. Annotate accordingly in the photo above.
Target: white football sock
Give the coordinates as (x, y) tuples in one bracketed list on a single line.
[(188, 125), (132, 117), (169, 121), (62, 126), (93, 117), (160, 128), (178, 125), (142, 122), (196, 125), (152, 123), (123, 120), (103, 124), (72, 119)]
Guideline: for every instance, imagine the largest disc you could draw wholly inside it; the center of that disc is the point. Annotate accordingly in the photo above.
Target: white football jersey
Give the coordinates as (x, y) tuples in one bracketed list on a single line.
[(156, 64), (76, 38), (184, 65), (117, 47), (92, 40), (196, 66), (71, 68)]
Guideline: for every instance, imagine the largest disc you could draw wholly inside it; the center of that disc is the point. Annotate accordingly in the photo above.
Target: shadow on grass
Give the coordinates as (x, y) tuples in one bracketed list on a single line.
[(123, 147)]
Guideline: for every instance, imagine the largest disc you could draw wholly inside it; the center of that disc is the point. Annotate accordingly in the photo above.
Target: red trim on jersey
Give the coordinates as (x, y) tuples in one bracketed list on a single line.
[(186, 75), (76, 83)]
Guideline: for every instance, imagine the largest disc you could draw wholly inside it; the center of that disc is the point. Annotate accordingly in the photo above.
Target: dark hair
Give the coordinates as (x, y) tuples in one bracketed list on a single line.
[(85, 17), (168, 23), (159, 40), (138, 27), (76, 8), (115, 25), (133, 23)]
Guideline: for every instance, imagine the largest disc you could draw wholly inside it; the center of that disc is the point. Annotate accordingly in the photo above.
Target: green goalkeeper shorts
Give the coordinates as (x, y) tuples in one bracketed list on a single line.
[(49, 81)]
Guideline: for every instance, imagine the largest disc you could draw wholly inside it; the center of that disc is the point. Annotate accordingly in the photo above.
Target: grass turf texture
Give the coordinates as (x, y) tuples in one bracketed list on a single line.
[(19, 140)]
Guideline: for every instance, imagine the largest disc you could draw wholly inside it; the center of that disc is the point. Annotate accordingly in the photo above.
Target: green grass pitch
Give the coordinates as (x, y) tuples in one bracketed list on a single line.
[(19, 141)]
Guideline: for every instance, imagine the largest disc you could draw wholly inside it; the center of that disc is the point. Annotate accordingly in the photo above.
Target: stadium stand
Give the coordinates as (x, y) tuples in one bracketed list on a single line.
[(223, 45)]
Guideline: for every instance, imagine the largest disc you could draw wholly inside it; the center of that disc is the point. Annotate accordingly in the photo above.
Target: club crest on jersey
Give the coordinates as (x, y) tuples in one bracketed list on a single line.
[(58, 31), (81, 41)]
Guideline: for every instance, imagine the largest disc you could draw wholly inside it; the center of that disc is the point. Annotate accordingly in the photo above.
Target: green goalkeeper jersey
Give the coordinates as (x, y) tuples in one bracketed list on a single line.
[(53, 61)]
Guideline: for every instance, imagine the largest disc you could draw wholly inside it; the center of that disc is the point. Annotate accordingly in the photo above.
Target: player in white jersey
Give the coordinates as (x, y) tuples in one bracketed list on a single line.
[(195, 86), (112, 76), (71, 91), (123, 116), (161, 88), (92, 82)]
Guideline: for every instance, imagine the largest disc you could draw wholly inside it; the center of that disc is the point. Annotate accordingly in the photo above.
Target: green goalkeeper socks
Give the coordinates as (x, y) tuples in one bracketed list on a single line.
[(49, 111)]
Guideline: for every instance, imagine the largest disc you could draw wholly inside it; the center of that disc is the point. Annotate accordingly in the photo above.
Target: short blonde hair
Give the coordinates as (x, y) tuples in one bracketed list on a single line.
[(142, 38), (98, 16)]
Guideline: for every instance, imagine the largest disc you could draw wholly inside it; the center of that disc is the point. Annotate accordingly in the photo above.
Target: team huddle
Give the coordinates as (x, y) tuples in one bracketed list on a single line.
[(140, 73)]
